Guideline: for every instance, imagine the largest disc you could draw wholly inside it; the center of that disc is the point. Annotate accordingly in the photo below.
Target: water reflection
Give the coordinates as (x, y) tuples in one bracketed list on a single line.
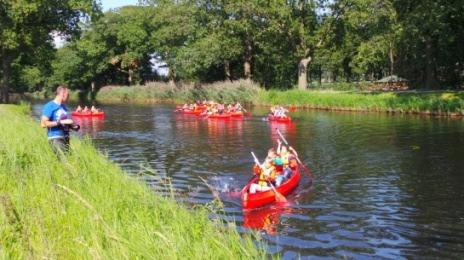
[(90, 125), (266, 219)]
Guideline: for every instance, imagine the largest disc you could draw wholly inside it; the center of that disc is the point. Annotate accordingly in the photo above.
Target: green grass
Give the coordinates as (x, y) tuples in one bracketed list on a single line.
[(438, 103), (85, 207)]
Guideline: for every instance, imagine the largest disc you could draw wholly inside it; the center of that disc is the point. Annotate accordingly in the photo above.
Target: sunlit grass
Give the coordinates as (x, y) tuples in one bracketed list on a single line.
[(441, 103), (85, 207)]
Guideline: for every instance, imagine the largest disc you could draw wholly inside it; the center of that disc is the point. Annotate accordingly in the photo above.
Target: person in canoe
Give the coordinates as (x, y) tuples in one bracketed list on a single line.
[(267, 173), (287, 162), (238, 107), (85, 110), (93, 109), (221, 108), (78, 109), (230, 108), (272, 111), (280, 112)]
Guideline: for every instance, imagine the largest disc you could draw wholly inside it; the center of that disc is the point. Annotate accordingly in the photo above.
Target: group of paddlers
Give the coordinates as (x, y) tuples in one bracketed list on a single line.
[(212, 108), (93, 109), (278, 111), (276, 169)]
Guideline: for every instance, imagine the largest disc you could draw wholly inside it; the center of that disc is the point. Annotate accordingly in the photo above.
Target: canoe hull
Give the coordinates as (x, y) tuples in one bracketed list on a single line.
[(220, 116), (286, 119), (260, 199), (98, 114)]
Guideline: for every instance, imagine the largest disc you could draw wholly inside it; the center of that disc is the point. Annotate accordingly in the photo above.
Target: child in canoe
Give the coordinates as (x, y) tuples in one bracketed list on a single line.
[(267, 173), (280, 112), (287, 158), (93, 109)]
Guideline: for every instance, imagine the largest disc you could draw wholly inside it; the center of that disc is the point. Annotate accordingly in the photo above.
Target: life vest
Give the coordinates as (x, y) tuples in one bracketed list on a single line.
[(261, 176), (262, 179)]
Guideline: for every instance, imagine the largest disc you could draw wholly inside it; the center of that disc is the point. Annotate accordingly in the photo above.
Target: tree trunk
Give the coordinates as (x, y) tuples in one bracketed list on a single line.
[(227, 70), (247, 63), (6, 73), (430, 73), (392, 60), (320, 75), (303, 73), (130, 76), (172, 76)]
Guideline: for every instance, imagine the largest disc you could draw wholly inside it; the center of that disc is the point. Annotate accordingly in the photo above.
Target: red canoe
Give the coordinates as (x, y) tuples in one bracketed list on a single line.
[(223, 116), (281, 119), (259, 199), (192, 112), (236, 114), (88, 114)]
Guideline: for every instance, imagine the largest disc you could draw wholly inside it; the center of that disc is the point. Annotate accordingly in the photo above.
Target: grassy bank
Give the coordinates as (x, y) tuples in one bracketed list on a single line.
[(445, 103), (243, 91), (85, 207)]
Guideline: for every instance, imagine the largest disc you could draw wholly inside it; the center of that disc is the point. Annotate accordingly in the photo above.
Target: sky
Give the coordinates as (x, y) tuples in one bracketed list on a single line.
[(108, 4)]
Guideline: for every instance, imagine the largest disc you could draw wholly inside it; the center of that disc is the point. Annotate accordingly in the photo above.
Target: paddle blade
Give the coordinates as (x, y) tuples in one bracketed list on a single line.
[(279, 197)]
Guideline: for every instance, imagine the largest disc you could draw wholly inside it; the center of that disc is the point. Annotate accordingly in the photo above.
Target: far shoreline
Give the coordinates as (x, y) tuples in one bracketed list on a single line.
[(433, 103)]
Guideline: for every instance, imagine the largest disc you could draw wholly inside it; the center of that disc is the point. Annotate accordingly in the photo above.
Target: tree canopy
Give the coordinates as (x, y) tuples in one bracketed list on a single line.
[(26, 29), (279, 44)]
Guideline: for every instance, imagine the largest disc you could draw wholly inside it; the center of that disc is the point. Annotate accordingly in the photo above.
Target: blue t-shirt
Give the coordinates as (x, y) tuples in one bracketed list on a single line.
[(55, 112)]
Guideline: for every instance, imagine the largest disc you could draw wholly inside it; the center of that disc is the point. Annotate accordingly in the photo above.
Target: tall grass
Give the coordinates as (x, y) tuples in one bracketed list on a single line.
[(226, 91), (439, 103), (84, 207)]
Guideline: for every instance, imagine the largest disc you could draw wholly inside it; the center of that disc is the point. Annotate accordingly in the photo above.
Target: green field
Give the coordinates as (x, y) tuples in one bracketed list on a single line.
[(85, 207)]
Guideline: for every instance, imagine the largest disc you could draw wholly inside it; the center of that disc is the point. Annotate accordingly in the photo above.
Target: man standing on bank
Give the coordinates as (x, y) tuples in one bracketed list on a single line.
[(57, 120)]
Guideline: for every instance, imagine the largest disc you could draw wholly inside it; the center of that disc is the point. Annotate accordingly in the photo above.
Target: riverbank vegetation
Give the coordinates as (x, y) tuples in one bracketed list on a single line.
[(85, 207), (154, 92), (442, 103), (277, 44)]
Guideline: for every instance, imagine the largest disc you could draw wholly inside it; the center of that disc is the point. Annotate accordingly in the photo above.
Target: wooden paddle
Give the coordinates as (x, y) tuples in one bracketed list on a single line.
[(296, 156), (278, 197)]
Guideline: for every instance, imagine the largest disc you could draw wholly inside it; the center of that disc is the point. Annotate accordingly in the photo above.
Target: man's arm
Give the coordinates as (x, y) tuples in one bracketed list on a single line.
[(45, 122)]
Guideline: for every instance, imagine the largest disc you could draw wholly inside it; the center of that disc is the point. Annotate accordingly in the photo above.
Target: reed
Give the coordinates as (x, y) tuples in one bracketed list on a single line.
[(82, 206), (153, 92)]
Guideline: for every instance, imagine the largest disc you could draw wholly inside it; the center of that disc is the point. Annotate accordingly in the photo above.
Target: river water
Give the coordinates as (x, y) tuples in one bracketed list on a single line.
[(383, 186)]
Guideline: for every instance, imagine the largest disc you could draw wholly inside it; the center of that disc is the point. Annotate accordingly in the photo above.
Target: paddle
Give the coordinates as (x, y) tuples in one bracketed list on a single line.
[(296, 156), (246, 113), (278, 197)]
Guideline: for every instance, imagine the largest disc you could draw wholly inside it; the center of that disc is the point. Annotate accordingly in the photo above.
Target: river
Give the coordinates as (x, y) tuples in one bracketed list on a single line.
[(383, 186)]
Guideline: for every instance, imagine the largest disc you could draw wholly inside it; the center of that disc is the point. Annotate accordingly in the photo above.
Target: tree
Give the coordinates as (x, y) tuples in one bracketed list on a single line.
[(25, 26), (431, 46)]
